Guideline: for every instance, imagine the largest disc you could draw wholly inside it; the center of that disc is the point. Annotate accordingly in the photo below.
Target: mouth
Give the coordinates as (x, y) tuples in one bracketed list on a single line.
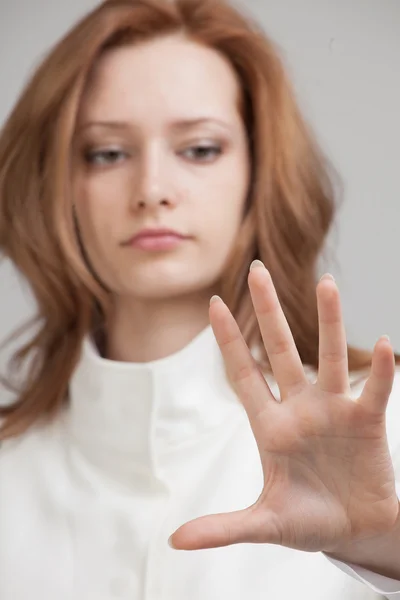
[(157, 240)]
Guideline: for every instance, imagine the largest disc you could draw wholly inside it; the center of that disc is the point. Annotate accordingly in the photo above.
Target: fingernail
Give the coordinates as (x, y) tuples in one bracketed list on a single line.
[(256, 263), (170, 542), (386, 337), (327, 276), (215, 299)]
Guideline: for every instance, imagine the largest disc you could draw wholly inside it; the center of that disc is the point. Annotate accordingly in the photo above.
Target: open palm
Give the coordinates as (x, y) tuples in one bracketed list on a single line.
[(328, 474)]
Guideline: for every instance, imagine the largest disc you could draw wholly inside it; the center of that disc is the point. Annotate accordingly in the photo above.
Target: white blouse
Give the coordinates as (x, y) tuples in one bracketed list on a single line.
[(87, 503)]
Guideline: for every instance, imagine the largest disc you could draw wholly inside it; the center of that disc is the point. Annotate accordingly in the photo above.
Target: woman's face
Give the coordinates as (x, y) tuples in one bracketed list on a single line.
[(160, 143)]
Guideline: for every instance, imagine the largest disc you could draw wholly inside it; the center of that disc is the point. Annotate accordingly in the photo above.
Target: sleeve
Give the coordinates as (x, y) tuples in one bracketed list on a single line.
[(388, 588)]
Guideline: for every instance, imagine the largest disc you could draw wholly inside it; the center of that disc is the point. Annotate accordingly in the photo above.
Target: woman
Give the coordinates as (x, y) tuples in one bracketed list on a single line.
[(155, 154)]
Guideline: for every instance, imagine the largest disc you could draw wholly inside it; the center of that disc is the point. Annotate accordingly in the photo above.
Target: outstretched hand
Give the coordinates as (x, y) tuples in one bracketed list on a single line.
[(328, 474)]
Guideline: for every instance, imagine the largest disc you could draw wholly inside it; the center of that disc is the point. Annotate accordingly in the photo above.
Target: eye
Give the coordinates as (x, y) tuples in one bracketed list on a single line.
[(203, 153), (104, 157)]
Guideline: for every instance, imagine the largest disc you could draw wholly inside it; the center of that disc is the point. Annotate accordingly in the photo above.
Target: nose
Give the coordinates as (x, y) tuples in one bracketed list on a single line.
[(153, 186)]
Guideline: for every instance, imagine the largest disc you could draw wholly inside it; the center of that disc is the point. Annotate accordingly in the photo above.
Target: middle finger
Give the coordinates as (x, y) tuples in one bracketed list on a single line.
[(275, 331)]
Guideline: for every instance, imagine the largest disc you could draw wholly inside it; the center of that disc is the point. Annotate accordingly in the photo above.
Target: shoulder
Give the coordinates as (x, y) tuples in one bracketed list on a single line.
[(33, 485), (30, 460), (33, 495)]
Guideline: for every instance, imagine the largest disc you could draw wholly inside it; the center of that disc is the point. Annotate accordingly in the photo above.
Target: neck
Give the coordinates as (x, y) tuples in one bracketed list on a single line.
[(150, 329)]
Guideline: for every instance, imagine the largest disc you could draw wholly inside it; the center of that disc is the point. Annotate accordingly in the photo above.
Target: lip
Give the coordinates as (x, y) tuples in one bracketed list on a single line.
[(156, 239), (155, 232)]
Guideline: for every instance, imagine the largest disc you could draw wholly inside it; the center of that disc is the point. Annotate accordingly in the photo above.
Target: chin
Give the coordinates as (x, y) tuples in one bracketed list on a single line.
[(166, 281), (163, 290)]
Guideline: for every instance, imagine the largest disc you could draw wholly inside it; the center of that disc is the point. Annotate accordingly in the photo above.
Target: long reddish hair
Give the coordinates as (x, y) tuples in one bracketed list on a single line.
[(289, 210)]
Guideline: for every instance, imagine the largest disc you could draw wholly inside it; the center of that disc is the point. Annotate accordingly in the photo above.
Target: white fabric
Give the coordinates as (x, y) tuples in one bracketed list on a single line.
[(87, 504)]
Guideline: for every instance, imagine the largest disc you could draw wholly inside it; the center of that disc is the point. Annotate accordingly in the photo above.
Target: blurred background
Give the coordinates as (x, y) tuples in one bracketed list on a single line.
[(344, 58)]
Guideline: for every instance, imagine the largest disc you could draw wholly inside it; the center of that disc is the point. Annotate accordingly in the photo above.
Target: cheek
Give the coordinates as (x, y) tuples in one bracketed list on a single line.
[(229, 213), (96, 201), (89, 229), (221, 222), (102, 191), (225, 208)]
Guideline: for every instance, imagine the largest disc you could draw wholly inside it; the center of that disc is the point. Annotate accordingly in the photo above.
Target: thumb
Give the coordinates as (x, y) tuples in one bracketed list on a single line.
[(213, 531)]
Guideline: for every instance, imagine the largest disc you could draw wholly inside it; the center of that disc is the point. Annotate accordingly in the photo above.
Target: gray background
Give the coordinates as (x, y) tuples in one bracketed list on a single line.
[(344, 57)]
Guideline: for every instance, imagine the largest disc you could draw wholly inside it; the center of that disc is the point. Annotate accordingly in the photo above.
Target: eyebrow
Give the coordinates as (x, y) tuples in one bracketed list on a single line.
[(177, 125)]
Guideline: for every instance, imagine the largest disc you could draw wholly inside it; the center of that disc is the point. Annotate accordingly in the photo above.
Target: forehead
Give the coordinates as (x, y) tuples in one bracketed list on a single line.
[(161, 79)]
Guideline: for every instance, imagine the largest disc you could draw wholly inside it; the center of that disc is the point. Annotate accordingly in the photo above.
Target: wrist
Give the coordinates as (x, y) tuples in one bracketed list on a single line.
[(380, 553)]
